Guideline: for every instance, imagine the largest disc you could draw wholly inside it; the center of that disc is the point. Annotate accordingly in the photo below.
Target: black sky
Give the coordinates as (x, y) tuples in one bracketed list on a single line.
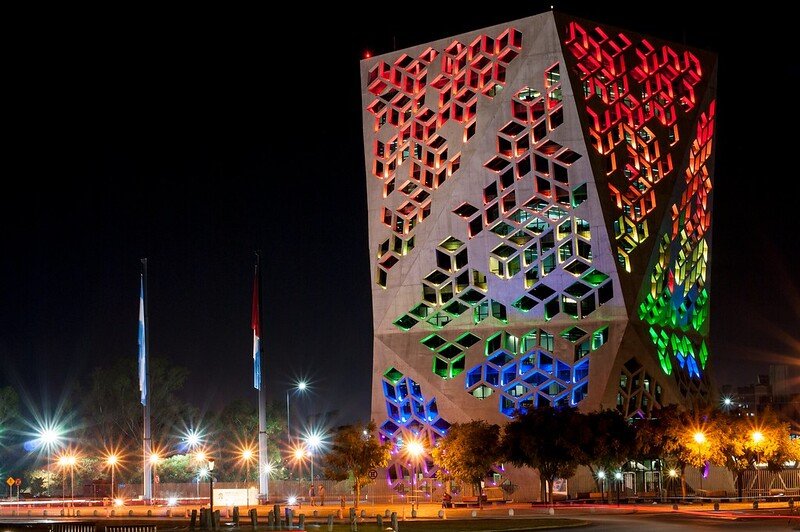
[(194, 138)]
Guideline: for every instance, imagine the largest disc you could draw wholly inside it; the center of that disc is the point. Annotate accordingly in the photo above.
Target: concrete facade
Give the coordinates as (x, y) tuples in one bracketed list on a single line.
[(539, 225)]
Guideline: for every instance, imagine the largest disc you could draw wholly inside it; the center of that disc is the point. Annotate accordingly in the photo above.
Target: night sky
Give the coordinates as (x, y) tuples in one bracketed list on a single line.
[(194, 138)]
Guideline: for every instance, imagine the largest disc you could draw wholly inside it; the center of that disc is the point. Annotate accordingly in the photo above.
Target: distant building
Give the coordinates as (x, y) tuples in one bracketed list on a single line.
[(539, 201), (769, 391)]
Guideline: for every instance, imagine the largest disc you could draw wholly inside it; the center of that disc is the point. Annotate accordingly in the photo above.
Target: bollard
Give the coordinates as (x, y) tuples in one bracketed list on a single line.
[(62, 513), (551, 511), (441, 514), (330, 523), (253, 517), (675, 506), (791, 502), (130, 513), (271, 520), (315, 513), (77, 513), (168, 513), (215, 517), (339, 514), (203, 519), (149, 513), (44, 513), (96, 513), (755, 505), (29, 513), (301, 521), (289, 518), (363, 514), (277, 510), (352, 514), (379, 521), (387, 514), (474, 513), (395, 526), (113, 513), (413, 512), (235, 516), (193, 520), (716, 506)]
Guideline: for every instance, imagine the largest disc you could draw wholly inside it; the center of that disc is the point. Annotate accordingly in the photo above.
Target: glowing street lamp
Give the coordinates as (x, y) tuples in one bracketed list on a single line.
[(69, 460), (301, 386), (415, 449), (193, 438), (602, 476), (155, 458), (313, 442), (49, 438), (247, 455), (200, 457), (699, 437), (757, 436), (112, 460)]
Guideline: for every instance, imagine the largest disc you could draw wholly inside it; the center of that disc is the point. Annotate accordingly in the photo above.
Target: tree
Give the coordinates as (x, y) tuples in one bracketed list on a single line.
[(607, 440), (468, 452), (692, 439), (545, 439), (236, 428), (748, 442), (9, 409), (111, 405), (354, 452)]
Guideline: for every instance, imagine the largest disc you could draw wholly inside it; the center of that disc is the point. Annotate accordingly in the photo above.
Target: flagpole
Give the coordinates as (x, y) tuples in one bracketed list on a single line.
[(147, 441), (263, 459)]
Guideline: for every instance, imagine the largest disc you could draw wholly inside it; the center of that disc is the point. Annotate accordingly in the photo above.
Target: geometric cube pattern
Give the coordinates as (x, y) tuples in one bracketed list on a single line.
[(524, 373), (678, 298), (568, 262), (467, 72), (632, 89), (538, 233), (409, 415), (638, 392)]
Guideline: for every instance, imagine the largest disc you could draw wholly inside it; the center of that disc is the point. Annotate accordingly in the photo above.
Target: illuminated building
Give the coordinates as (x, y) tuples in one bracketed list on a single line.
[(539, 199)]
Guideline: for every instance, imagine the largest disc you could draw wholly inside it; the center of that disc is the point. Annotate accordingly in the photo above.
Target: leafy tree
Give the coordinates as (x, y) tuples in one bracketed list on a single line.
[(691, 439), (607, 440), (236, 428), (468, 452), (9, 410), (545, 439), (748, 442), (356, 450), (177, 468), (111, 405)]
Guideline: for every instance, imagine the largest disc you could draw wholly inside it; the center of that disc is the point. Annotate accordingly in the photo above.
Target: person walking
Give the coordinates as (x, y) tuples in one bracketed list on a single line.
[(321, 494), (312, 495)]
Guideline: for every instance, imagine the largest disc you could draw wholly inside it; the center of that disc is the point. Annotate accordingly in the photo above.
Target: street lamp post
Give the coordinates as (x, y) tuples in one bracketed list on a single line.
[(700, 439), (618, 478), (415, 450), (313, 441), (602, 476), (211, 489), (50, 438), (757, 436), (155, 458), (247, 457), (112, 460)]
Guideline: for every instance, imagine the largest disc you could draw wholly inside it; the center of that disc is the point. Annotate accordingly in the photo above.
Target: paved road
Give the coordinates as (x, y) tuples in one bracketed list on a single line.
[(674, 522)]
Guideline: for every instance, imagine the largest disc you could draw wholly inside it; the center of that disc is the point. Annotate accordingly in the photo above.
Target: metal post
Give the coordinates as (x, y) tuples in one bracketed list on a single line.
[(211, 491), (147, 439), (112, 483)]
